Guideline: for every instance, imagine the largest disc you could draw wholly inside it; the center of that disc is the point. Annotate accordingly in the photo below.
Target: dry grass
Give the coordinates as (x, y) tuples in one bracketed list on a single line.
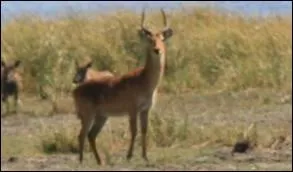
[(184, 130), (211, 51), (235, 72)]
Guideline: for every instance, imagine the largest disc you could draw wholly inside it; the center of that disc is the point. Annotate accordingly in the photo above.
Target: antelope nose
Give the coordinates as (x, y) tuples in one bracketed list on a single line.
[(156, 50)]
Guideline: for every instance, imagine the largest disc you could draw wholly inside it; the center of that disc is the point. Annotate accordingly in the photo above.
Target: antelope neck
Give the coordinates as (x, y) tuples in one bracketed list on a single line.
[(154, 69)]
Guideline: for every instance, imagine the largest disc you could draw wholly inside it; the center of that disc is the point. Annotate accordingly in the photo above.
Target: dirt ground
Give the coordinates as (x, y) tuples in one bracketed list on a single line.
[(21, 130)]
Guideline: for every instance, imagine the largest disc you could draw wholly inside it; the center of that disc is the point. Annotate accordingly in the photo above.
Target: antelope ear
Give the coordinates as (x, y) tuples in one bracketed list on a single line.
[(17, 63), (3, 63), (167, 33), (89, 64)]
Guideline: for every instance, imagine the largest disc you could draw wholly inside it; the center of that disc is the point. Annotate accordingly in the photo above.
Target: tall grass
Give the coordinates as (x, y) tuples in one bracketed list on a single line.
[(210, 50)]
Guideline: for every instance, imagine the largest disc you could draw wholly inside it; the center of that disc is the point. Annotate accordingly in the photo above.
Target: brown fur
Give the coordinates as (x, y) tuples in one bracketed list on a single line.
[(130, 94), (11, 82)]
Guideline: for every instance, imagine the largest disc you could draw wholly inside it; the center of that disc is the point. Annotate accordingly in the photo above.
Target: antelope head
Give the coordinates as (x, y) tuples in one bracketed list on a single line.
[(81, 72), (155, 40), (8, 71)]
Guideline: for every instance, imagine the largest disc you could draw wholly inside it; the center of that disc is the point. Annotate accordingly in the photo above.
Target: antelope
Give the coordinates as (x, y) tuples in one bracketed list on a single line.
[(128, 95), (85, 73), (11, 82)]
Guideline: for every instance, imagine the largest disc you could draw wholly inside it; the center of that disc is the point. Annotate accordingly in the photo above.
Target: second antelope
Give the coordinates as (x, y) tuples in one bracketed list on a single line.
[(85, 73), (131, 94), (10, 82)]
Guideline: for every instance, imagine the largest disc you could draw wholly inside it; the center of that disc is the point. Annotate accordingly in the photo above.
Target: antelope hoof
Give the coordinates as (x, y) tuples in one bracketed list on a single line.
[(145, 158), (129, 156), (80, 160), (99, 162)]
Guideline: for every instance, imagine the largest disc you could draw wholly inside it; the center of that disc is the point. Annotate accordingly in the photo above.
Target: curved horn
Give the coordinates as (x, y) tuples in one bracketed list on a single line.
[(164, 19), (142, 18), (143, 28)]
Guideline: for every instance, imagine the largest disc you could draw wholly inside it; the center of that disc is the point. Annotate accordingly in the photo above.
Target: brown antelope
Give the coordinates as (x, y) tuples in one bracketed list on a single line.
[(85, 73), (10, 82), (131, 94)]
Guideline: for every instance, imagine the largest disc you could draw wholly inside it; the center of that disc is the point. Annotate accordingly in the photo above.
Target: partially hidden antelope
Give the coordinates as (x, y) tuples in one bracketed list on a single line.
[(130, 94), (11, 82), (84, 72)]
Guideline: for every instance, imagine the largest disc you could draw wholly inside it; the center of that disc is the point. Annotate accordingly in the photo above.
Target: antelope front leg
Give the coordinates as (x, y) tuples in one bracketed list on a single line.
[(133, 130), (3, 107), (16, 102), (144, 127), (5, 102)]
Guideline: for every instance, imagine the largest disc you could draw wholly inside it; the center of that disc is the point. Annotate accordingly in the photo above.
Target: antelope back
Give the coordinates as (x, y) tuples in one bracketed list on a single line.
[(84, 72)]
